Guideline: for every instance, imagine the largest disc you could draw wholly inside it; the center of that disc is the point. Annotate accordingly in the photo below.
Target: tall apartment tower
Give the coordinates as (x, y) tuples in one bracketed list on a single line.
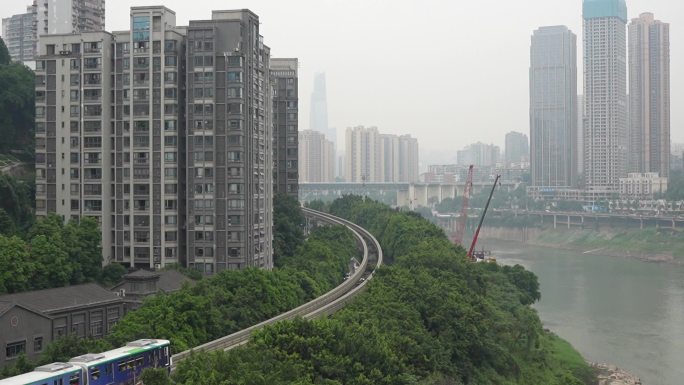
[(579, 152), (285, 83), (318, 118), (164, 134), (68, 16), (229, 144), (74, 150), (605, 95), (17, 32), (148, 130), (649, 95), (316, 157), (553, 107), (363, 160), (517, 147), (408, 159), (389, 157)]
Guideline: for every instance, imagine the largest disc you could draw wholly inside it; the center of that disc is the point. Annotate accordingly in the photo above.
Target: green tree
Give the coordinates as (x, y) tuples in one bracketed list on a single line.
[(4, 53), (288, 225), (16, 266), (17, 109), (155, 376)]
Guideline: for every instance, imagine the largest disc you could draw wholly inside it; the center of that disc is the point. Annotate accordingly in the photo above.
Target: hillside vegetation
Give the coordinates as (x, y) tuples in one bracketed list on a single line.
[(429, 317)]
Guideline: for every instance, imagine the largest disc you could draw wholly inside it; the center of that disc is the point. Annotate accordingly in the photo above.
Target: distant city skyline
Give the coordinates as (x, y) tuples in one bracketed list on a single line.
[(362, 64)]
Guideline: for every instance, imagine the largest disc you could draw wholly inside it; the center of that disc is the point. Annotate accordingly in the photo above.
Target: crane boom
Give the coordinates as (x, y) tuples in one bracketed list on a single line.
[(467, 191), (484, 212)]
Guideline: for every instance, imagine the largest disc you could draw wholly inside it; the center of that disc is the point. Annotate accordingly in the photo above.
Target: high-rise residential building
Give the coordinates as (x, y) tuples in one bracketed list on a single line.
[(649, 95), (579, 151), (479, 154), (17, 32), (517, 148), (149, 148), (167, 186), (553, 107), (605, 94), (285, 83), (68, 16), (409, 159), (316, 157), (229, 144), (318, 118), (374, 157), (362, 154)]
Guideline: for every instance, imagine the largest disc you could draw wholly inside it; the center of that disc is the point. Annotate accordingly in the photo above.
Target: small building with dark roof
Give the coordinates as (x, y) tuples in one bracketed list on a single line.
[(142, 283), (32, 319)]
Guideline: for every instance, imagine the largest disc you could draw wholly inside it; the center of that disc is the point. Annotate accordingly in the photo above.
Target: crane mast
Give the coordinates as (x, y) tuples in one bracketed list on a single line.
[(484, 212)]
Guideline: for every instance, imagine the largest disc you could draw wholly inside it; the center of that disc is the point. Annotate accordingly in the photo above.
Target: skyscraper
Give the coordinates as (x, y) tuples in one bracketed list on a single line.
[(17, 32), (318, 119), (285, 83), (605, 96), (553, 107), (363, 155), (579, 151), (517, 148), (649, 95)]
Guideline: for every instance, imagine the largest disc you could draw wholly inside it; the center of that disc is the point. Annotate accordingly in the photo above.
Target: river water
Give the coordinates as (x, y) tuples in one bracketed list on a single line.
[(622, 311)]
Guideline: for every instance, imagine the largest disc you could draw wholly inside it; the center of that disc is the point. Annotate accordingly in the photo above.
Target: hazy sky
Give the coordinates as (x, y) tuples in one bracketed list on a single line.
[(448, 72)]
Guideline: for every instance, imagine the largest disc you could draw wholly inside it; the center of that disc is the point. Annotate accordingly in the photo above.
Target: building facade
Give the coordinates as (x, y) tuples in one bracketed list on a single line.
[(479, 154), (553, 107), (165, 135), (68, 16), (316, 157), (605, 94), (649, 95), (229, 144), (517, 148), (642, 185), (362, 155), (17, 32), (285, 83)]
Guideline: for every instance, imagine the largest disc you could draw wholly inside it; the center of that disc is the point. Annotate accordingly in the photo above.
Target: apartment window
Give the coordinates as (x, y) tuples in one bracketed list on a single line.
[(170, 141), (170, 204), (234, 156), (170, 61), (170, 172), (14, 349), (170, 219), (234, 76), (235, 124), (170, 188), (170, 157), (169, 125), (171, 236)]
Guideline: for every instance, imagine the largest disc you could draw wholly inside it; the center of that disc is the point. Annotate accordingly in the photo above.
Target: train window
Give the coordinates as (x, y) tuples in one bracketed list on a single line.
[(75, 379), (122, 366), (95, 374), (139, 362), (108, 369)]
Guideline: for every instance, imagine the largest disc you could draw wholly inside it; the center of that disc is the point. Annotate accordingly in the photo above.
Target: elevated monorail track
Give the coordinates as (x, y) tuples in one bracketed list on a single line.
[(325, 305)]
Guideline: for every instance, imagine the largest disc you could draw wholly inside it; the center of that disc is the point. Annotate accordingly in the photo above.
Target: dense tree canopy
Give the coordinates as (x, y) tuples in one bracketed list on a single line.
[(288, 225), (53, 254), (17, 108), (16, 204), (429, 318)]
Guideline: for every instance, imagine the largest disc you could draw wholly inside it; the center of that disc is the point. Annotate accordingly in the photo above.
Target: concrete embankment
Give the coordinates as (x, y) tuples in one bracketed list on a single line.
[(647, 245)]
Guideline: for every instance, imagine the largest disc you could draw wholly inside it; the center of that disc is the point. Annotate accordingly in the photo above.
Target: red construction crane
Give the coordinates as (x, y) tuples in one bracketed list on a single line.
[(484, 212), (460, 225)]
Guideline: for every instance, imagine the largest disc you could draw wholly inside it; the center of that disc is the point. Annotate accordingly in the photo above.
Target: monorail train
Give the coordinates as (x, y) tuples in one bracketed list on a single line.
[(120, 366)]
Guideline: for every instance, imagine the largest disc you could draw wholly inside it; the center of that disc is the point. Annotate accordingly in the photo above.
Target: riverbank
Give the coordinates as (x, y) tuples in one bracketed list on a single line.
[(651, 245), (612, 375)]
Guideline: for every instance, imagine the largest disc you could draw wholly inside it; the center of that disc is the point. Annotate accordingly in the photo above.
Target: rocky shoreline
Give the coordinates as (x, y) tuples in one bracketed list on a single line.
[(608, 374)]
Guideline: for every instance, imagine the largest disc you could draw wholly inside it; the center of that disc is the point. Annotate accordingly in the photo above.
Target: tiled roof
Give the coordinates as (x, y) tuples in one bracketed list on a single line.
[(52, 300)]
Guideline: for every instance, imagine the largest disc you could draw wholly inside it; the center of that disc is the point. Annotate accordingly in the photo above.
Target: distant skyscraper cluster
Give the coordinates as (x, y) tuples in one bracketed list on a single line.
[(606, 132), (479, 154), (22, 32), (166, 135), (374, 157)]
